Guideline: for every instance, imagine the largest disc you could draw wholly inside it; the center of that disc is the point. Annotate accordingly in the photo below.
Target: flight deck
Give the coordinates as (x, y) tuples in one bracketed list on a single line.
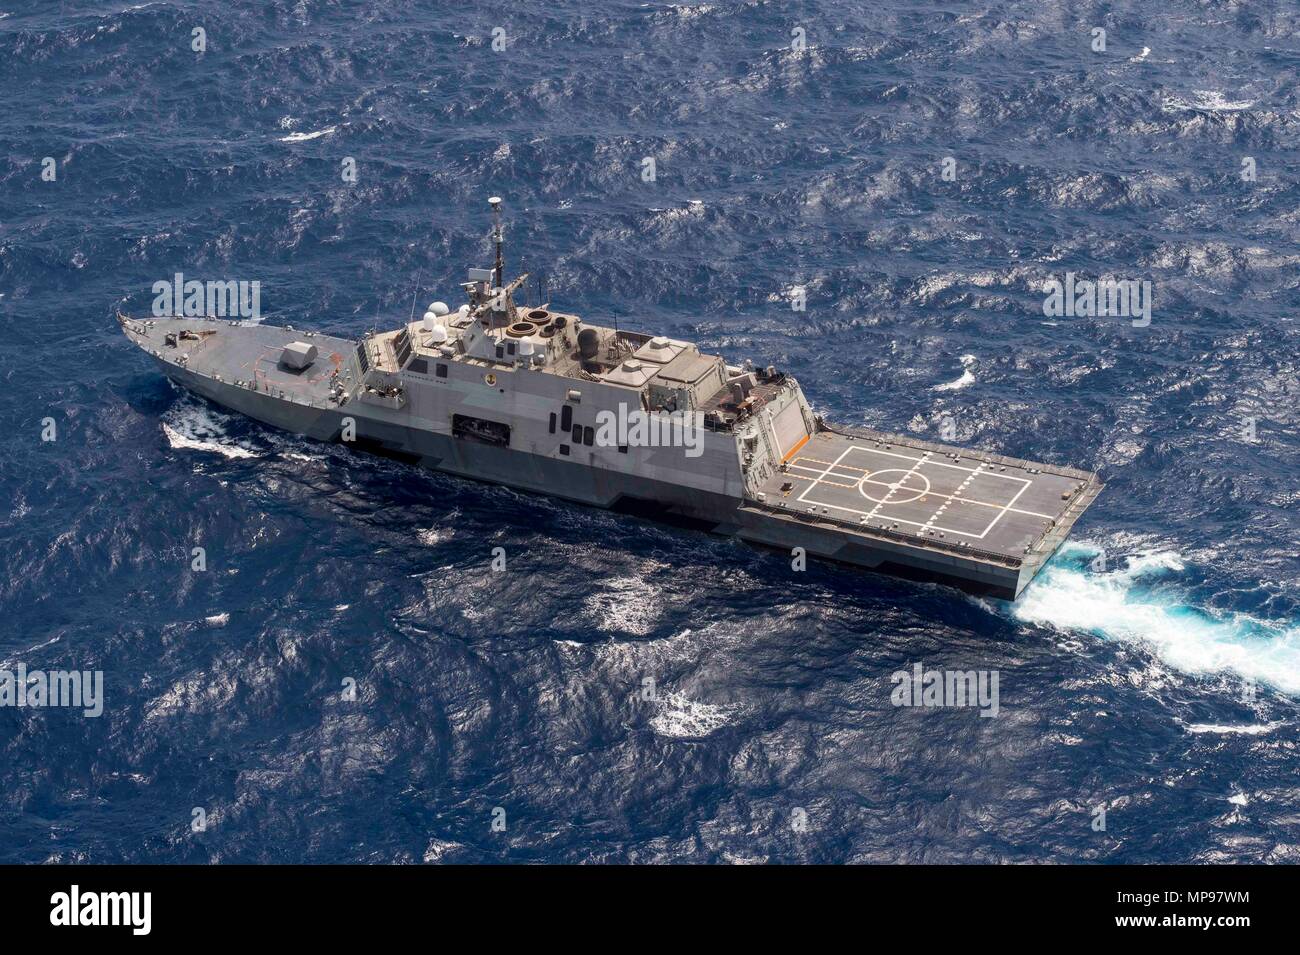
[(959, 500)]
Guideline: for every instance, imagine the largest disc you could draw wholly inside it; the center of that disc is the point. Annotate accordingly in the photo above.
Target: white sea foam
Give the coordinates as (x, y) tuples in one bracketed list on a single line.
[(681, 718), (1137, 604), (193, 427), (733, 858), (626, 604), (967, 376), (1256, 729), (178, 440), (438, 848), (1205, 101), (21, 510), (686, 12), (303, 137), (217, 620), (11, 663)]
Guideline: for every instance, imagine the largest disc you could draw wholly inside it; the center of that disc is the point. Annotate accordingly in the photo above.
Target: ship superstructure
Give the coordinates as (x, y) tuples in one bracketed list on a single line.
[(543, 400)]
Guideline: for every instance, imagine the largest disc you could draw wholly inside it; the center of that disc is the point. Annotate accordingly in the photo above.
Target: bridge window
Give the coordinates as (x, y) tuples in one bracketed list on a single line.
[(566, 418), (442, 370)]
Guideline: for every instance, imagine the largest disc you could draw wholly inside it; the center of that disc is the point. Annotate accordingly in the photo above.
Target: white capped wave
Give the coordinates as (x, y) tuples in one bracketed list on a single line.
[(303, 137), (1206, 101), (967, 376), (178, 440), (689, 12), (1256, 729), (681, 718), (439, 848), (1131, 604), (193, 427), (626, 604)]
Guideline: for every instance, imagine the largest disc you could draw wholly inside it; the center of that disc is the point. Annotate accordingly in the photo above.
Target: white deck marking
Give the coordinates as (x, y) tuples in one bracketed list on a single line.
[(828, 470), (822, 473), (818, 480), (942, 464), (903, 520), (822, 470), (1013, 500), (956, 495), (837, 467), (847, 480), (928, 525), (885, 500)]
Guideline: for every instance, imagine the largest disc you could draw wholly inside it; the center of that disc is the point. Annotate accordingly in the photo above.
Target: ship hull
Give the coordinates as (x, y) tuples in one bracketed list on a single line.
[(632, 494)]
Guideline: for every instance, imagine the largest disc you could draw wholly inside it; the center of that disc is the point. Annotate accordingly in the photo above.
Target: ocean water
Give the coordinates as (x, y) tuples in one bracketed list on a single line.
[(1153, 669)]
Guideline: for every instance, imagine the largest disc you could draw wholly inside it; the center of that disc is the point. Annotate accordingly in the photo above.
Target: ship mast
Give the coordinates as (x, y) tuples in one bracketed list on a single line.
[(500, 278), (502, 305)]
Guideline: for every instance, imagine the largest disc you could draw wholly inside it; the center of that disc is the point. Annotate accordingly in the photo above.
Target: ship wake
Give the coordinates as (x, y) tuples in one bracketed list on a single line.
[(1139, 603), (192, 426)]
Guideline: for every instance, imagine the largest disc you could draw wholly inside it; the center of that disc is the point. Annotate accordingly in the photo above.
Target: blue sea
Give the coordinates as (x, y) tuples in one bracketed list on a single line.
[(627, 692)]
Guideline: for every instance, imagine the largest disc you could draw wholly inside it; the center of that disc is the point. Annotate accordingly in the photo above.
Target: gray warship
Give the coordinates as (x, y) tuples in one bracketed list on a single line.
[(544, 401)]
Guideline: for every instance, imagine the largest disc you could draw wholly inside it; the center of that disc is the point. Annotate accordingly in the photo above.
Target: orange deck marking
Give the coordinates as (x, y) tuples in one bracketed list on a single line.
[(796, 447)]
